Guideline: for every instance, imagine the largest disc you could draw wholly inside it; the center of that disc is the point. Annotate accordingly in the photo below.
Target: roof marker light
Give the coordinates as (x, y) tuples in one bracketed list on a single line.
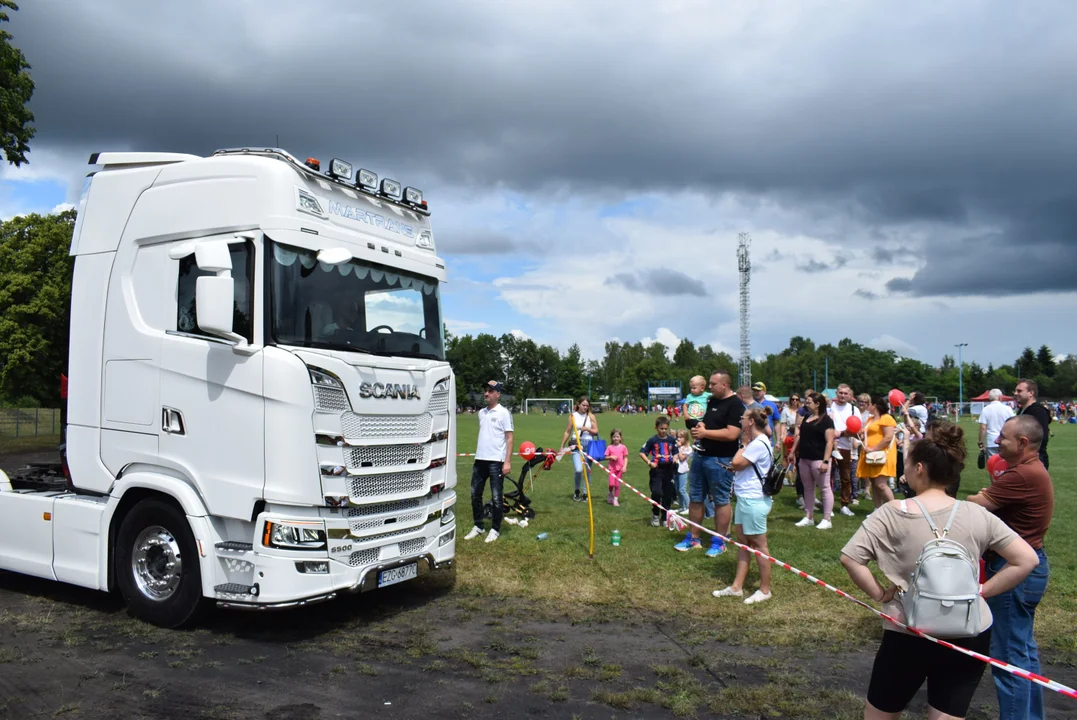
[(390, 189), (340, 170), (313, 164), (367, 180)]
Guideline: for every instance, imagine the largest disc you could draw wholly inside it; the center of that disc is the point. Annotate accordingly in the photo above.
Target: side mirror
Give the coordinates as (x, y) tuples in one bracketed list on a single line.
[(214, 298)]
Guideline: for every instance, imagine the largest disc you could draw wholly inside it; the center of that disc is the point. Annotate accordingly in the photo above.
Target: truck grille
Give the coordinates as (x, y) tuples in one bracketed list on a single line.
[(379, 508), (361, 525), (438, 403), (410, 547), (363, 557), (330, 399), (391, 484), (366, 427), (379, 456)]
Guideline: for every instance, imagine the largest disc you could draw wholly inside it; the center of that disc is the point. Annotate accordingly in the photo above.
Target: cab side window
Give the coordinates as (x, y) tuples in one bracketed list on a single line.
[(243, 276)]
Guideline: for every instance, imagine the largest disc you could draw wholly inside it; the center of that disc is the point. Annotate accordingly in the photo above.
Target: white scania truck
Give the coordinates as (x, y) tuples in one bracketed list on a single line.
[(260, 413)]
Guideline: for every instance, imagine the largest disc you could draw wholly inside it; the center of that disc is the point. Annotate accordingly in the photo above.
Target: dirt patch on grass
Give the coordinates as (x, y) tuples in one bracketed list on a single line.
[(427, 650)]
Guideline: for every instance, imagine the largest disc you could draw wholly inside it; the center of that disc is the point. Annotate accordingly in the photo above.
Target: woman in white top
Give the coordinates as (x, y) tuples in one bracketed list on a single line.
[(588, 429), (893, 537), (751, 463)]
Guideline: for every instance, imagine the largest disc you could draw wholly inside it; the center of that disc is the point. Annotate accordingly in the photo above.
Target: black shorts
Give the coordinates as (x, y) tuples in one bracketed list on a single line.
[(905, 661)]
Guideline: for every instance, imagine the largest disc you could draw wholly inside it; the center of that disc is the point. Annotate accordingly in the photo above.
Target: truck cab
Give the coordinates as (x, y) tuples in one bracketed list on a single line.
[(258, 398)]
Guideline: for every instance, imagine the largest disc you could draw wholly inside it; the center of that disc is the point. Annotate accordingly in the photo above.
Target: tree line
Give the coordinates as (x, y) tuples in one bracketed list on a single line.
[(530, 370)]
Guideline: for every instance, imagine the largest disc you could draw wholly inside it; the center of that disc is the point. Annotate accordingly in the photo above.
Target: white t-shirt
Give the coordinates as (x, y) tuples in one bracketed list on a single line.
[(920, 413), (493, 424), (746, 483), (789, 417), (840, 414), (994, 416), (581, 420), (682, 466)]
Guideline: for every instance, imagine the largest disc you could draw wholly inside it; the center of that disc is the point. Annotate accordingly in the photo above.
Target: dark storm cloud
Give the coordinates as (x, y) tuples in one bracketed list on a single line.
[(659, 281), (865, 294), (928, 120)]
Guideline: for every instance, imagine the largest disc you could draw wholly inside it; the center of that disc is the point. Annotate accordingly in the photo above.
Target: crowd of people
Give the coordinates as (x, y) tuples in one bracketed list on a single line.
[(842, 451)]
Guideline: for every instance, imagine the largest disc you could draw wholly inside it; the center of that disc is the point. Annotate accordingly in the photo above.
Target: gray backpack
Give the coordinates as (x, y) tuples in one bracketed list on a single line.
[(943, 598)]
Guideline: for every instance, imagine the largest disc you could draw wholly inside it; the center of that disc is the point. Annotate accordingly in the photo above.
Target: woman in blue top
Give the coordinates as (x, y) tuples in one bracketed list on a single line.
[(751, 463)]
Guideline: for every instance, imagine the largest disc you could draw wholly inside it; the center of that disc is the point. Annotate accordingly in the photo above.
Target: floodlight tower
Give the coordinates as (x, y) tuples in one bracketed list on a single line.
[(744, 265)]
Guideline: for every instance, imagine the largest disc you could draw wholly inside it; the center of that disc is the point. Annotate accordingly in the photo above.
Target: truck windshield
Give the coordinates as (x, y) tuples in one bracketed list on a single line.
[(356, 306)]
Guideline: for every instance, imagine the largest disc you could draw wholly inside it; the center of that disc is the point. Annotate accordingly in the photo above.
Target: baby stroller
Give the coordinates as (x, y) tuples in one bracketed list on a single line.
[(516, 504)]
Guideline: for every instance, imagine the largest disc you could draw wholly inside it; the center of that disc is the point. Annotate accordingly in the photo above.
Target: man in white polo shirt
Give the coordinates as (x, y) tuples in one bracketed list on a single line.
[(992, 418), (493, 461), (840, 411)]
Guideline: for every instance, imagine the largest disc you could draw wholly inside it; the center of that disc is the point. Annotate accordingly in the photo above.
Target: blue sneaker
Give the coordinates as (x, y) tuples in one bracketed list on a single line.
[(716, 549), (688, 544)]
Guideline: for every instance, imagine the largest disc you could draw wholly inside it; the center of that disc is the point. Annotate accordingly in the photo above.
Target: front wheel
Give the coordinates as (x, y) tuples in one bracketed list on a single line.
[(156, 565)]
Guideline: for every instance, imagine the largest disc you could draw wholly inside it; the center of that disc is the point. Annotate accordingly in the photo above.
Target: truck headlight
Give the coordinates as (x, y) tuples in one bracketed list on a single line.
[(441, 386), (448, 515), (294, 535)]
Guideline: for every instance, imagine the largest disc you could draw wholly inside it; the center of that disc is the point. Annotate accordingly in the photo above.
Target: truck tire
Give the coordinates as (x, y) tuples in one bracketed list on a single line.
[(156, 565)]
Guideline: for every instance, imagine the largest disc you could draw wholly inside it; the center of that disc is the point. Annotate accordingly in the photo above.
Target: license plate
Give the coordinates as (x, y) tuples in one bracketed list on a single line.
[(397, 574)]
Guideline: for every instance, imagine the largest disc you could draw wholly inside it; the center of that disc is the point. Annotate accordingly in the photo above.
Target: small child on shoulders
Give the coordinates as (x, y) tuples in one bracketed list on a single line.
[(695, 404)]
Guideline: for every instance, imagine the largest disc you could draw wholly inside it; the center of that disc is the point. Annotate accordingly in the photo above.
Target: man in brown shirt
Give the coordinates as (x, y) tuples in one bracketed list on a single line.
[(1024, 498)]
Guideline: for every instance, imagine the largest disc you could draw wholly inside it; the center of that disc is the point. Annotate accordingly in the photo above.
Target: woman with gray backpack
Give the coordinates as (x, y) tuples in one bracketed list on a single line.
[(929, 548)]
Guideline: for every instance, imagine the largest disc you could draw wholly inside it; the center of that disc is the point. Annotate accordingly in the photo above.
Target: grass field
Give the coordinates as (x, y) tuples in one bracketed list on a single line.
[(646, 576)]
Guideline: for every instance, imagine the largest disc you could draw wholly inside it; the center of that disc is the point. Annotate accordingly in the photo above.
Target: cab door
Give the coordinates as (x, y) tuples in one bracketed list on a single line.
[(212, 412)]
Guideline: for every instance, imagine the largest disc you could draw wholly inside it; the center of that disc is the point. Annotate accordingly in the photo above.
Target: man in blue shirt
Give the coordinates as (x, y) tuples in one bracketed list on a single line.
[(759, 392)]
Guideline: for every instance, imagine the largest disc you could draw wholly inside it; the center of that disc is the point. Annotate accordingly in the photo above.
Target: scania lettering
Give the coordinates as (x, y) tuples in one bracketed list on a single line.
[(259, 406)]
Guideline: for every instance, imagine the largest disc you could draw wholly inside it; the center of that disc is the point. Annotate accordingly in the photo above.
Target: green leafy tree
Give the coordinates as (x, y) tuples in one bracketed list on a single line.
[(16, 88), (1046, 361), (1028, 365), (35, 300)]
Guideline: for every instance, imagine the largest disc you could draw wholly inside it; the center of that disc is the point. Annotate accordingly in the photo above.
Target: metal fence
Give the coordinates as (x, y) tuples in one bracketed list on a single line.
[(29, 422)]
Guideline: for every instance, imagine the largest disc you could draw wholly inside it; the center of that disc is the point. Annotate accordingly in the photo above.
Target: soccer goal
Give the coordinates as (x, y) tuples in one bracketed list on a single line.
[(550, 405)]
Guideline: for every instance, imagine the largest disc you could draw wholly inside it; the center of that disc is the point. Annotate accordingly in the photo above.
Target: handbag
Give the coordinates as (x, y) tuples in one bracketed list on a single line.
[(878, 457), (981, 460)]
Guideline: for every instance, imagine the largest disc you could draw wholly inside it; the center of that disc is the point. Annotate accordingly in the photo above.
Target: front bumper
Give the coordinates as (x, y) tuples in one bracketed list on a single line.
[(270, 578)]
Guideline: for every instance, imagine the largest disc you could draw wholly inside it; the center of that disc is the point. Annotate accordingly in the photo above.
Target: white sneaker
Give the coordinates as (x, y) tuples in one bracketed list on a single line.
[(805, 522), (475, 532), (846, 511), (823, 525), (800, 503), (493, 535), (728, 592), (757, 597)]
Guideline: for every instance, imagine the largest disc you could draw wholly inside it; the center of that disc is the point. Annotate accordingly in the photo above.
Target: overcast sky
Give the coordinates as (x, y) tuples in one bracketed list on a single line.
[(908, 176)]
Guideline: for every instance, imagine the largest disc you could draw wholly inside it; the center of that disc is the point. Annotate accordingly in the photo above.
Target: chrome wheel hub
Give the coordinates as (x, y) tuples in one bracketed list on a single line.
[(156, 564)]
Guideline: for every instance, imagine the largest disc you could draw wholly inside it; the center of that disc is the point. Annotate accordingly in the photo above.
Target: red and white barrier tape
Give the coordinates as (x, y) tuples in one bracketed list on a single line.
[(1019, 672)]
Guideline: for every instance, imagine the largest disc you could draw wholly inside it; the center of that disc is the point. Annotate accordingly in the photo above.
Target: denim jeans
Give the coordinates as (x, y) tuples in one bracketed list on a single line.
[(577, 465), (682, 490), (480, 471), (1012, 641)]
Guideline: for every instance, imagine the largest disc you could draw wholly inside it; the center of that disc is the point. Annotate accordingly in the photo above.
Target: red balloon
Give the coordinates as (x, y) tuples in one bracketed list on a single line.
[(897, 398), (853, 424), (996, 465), (527, 450)]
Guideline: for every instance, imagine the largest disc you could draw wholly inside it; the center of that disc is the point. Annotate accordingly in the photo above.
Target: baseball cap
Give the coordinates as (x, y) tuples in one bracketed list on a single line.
[(492, 385), (759, 386)]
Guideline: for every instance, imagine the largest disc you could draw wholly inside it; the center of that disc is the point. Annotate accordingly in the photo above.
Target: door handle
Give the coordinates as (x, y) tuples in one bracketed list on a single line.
[(172, 421)]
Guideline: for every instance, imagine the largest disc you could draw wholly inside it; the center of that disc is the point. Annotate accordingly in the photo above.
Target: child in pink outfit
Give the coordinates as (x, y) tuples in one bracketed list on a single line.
[(617, 454)]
